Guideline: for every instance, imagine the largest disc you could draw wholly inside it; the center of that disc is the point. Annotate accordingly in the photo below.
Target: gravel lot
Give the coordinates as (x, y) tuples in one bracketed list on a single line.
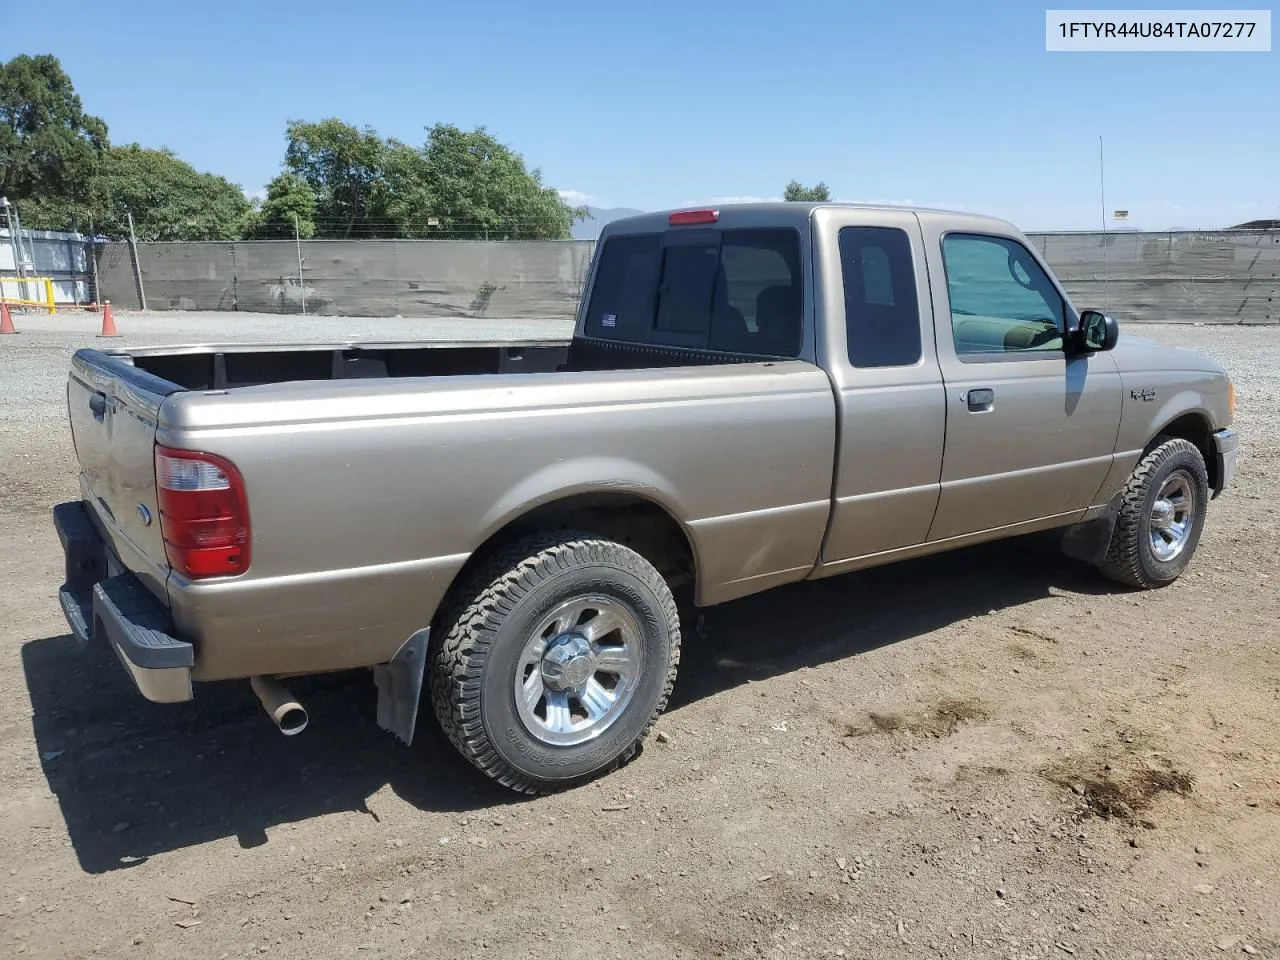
[(992, 753)]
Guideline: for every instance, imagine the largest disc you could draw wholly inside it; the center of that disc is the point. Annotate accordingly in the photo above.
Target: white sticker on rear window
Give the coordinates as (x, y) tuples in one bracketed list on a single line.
[(610, 320)]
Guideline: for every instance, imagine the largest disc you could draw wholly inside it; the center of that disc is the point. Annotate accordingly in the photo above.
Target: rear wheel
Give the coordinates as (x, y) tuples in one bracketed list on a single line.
[(1162, 513), (558, 654)]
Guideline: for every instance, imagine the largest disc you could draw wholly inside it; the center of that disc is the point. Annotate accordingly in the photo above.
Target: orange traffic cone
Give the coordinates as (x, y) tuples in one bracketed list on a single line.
[(108, 321), (6, 321)]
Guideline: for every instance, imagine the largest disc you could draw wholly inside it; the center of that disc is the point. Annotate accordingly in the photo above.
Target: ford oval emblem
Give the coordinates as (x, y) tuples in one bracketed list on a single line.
[(144, 514)]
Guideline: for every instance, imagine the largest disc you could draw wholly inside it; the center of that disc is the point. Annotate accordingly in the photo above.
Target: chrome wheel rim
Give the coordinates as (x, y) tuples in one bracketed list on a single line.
[(1173, 513), (579, 671)]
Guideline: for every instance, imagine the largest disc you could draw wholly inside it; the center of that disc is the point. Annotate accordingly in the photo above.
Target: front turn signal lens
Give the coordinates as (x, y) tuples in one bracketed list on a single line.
[(1231, 400)]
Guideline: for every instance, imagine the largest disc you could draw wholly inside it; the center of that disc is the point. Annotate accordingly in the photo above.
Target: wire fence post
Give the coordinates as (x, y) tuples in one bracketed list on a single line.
[(1102, 196), (93, 260), (297, 239), (137, 265)]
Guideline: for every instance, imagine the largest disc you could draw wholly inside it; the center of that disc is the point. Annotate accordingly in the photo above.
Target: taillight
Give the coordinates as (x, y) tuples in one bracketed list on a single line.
[(204, 515)]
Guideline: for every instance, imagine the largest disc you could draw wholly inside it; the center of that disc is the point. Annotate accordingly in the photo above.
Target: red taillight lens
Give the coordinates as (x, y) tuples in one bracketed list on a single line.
[(686, 217), (204, 515)]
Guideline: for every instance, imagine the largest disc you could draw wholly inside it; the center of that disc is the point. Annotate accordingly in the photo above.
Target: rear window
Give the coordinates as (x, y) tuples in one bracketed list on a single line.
[(622, 298), (736, 291)]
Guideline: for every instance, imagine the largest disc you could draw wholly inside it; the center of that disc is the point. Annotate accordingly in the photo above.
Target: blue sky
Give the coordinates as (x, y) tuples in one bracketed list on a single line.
[(665, 103)]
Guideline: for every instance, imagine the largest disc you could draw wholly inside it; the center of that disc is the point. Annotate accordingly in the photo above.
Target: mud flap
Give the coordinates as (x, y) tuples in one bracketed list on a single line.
[(1089, 541), (400, 687)]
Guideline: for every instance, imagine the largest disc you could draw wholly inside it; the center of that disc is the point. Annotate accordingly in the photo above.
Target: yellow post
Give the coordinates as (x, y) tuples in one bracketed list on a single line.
[(48, 294)]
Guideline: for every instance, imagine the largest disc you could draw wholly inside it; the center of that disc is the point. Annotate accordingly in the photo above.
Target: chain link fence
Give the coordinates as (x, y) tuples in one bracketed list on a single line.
[(1192, 276), (536, 279), (1227, 276)]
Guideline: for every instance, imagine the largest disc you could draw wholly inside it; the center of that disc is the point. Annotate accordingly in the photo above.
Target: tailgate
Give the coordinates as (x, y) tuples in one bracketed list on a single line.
[(113, 408)]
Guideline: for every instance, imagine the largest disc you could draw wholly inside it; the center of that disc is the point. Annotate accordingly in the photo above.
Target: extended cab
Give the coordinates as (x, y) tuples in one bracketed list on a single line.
[(752, 396)]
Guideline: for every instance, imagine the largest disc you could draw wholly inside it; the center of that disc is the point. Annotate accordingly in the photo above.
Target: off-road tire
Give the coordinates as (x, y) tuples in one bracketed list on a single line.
[(1130, 559), (484, 627)]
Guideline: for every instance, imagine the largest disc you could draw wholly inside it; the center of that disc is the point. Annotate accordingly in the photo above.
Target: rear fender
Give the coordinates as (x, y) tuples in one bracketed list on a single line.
[(586, 475)]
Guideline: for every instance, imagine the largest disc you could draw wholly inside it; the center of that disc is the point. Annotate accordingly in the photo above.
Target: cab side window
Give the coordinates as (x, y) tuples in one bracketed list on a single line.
[(1002, 302), (881, 315)]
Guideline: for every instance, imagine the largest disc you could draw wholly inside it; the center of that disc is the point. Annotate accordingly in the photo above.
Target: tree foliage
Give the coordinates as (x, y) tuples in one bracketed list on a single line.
[(482, 188), (339, 180), (797, 191), (344, 167), (169, 198), (290, 203), (49, 147), (467, 182)]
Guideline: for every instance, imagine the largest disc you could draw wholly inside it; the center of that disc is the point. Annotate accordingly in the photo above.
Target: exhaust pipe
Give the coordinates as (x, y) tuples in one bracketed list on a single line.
[(287, 713)]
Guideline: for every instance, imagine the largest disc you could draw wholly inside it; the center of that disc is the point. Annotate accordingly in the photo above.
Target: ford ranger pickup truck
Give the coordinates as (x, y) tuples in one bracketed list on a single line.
[(751, 396)]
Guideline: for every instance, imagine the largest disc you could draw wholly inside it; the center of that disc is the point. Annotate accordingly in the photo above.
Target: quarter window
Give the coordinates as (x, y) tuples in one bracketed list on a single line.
[(881, 313)]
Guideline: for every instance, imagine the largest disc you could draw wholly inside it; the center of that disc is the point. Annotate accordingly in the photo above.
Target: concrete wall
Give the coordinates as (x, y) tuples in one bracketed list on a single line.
[(1181, 277), (354, 277), (1228, 276)]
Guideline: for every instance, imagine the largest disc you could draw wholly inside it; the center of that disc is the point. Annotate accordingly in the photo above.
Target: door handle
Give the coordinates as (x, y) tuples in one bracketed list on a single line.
[(981, 400), (98, 405)]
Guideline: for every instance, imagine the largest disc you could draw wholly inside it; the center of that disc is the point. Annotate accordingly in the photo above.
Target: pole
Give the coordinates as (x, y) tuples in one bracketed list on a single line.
[(93, 259), (297, 239), (137, 265), (1102, 192), (15, 231), (13, 246)]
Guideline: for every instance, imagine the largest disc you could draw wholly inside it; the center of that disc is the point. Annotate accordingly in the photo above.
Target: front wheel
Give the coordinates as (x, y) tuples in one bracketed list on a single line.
[(558, 655), (1162, 513)]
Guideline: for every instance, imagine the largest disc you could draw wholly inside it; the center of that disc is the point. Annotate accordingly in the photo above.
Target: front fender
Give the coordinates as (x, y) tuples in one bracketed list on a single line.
[(1153, 400)]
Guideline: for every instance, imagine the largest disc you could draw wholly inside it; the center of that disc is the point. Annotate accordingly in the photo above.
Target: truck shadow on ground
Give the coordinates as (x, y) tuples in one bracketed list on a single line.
[(135, 779)]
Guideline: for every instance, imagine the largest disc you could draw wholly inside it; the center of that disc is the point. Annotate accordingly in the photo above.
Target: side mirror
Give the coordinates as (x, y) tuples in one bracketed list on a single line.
[(1097, 331)]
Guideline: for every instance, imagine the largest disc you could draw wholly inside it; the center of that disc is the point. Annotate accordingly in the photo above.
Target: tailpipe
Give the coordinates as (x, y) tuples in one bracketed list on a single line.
[(285, 712)]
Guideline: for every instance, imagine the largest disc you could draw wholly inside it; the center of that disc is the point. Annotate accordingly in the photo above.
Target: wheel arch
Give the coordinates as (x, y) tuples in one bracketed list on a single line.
[(632, 518), (1196, 427)]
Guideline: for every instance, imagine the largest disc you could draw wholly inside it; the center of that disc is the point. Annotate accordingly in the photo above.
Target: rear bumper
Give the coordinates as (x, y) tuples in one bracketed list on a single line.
[(105, 604), (1225, 443)]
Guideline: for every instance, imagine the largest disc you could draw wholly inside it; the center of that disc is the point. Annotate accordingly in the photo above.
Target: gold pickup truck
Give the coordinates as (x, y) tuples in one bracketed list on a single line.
[(751, 396)]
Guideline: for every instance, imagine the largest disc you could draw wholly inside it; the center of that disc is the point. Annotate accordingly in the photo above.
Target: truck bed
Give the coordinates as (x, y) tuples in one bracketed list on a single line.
[(221, 367)]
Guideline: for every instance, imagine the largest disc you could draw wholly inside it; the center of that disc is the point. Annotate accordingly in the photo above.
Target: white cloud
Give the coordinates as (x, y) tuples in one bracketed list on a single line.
[(257, 196), (578, 198)]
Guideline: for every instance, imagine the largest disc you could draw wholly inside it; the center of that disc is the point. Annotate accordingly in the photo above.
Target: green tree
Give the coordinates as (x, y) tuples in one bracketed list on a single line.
[(406, 197), (467, 182), (345, 168), (482, 188), (290, 200), (49, 147), (169, 198), (798, 191)]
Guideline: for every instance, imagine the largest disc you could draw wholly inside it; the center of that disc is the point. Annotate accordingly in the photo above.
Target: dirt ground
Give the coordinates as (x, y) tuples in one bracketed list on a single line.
[(992, 753)]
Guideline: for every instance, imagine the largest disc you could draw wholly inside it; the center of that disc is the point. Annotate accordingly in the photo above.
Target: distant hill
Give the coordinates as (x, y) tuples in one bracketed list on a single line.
[(589, 229)]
